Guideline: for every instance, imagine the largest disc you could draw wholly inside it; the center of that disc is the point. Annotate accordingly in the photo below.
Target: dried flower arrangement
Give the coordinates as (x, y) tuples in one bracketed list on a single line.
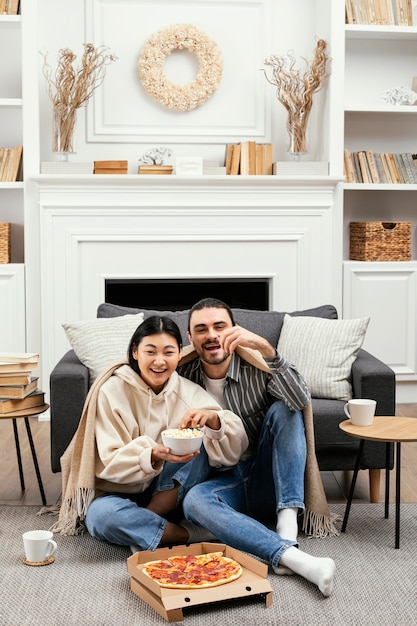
[(295, 91), (151, 67), (71, 87)]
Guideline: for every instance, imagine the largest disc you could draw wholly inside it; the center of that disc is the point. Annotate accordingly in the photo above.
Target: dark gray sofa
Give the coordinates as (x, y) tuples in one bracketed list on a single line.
[(335, 450)]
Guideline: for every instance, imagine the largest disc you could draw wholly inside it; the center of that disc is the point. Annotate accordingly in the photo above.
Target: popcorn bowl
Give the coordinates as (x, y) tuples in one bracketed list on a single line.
[(182, 441)]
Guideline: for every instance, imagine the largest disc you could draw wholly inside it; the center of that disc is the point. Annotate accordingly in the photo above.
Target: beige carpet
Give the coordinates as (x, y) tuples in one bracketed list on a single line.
[(88, 584)]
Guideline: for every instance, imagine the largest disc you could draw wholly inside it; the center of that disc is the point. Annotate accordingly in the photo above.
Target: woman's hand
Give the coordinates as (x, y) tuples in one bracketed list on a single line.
[(161, 453), (197, 418)]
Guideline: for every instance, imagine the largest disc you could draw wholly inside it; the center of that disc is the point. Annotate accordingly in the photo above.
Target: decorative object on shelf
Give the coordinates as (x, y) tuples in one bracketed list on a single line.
[(300, 168), (72, 168), (189, 166), (295, 91), (155, 156), (399, 96), (151, 161), (380, 241), (70, 88), (154, 54), (4, 242)]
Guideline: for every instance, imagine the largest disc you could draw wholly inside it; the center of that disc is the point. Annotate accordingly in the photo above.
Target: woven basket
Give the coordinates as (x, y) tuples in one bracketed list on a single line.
[(4, 242), (380, 241)]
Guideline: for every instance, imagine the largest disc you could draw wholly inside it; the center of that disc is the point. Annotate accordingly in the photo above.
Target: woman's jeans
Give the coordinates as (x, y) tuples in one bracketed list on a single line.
[(272, 479), (123, 519)]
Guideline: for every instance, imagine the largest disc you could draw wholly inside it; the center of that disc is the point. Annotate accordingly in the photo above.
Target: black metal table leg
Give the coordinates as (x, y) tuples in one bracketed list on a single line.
[(35, 461), (387, 477), (397, 494), (352, 485), (19, 456)]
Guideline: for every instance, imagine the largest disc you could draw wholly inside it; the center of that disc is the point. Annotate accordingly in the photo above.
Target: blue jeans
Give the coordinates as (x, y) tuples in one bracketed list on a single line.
[(272, 479), (123, 519)]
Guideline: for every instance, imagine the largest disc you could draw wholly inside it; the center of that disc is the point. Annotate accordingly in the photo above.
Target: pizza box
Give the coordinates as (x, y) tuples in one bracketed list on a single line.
[(170, 602)]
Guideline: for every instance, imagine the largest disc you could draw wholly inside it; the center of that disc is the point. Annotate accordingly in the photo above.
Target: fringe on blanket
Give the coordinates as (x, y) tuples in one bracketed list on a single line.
[(72, 512), (320, 526)]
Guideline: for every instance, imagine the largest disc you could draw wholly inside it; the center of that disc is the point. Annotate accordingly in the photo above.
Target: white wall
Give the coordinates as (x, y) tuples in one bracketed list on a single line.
[(244, 106)]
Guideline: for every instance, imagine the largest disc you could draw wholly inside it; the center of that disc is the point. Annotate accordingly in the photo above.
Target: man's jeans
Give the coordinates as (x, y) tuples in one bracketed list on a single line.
[(123, 519), (271, 480)]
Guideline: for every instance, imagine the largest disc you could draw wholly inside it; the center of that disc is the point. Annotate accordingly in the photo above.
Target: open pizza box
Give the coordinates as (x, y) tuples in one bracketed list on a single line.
[(170, 602)]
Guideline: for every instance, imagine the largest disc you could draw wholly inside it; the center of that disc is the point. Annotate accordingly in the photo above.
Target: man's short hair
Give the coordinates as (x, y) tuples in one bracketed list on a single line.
[(210, 303)]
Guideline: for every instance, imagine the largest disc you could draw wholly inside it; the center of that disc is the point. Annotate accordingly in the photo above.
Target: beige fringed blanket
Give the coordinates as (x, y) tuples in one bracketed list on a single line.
[(78, 470)]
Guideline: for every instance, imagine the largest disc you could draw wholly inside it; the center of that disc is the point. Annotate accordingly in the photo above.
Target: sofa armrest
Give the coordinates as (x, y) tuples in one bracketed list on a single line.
[(371, 378), (69, 384)]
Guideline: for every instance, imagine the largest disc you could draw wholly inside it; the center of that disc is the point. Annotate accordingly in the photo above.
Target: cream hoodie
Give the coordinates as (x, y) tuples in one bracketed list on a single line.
[(129, 421)]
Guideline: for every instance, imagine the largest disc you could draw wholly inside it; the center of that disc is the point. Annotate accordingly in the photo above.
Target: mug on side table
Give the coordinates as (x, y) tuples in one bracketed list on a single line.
[(361, 411)]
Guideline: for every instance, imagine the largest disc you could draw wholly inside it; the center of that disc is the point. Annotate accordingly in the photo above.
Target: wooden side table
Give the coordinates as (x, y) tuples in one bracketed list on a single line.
[(26, 413), (389, 429)]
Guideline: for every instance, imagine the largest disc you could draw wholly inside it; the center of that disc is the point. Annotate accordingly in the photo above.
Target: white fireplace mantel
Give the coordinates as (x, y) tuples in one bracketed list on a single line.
[(97, 227)]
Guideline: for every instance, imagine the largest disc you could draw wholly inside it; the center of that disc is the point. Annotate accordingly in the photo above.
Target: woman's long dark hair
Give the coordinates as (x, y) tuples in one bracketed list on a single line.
[(154, 325)]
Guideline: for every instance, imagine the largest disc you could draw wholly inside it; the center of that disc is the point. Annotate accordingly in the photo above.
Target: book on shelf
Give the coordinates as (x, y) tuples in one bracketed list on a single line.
[(249, 158), (9, 405), (366, 166), (19, 357), (372, 166), (235, 161), (9, 7), (381, 12), (18, 391), (10, 163), (154, 169)]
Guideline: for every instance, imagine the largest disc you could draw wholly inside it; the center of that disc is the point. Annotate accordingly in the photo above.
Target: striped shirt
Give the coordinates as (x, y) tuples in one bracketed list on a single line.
[(249, 391)]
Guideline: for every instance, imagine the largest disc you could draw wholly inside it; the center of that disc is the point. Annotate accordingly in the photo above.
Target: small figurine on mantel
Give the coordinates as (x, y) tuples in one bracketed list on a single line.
[(152, 161)]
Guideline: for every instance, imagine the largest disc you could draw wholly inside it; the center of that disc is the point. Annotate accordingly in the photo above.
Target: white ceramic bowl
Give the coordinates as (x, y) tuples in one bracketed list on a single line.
[(182, 441)]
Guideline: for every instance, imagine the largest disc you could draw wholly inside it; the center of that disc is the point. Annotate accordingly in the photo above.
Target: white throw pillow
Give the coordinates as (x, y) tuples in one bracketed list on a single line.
[(323, 351), (102, 341)]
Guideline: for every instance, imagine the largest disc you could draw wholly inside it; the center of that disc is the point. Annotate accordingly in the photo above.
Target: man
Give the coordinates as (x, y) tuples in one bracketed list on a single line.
[(246, 375)]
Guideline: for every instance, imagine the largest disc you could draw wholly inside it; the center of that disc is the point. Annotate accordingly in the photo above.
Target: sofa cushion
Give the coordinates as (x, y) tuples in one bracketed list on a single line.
[(323, 351), (268, 324), (100, 342)]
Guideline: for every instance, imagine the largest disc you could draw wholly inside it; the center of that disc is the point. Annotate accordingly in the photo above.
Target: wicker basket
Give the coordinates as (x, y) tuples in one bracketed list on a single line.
[(4, 242), (380, 241)]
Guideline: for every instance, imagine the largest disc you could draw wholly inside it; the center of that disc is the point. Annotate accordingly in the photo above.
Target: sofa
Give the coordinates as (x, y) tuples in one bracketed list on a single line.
[(367, 376)]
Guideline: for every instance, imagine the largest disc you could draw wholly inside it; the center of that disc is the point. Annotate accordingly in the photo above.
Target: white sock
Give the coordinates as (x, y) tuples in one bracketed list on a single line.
[(317, 570), (287, 524)]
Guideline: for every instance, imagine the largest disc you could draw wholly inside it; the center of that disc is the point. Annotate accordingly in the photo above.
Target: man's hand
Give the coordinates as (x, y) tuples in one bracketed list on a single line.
[(197, 418), (238, 336)]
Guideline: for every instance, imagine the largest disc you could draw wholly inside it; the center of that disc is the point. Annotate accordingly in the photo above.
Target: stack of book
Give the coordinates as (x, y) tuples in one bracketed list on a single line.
[(10, 161), (381, 12), (249, 157), (110, 167), (9, 7), (380, 167), (18, 388)]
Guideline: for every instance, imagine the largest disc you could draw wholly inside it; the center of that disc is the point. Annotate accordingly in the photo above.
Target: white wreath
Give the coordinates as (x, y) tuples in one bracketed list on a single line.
[(154, 54)]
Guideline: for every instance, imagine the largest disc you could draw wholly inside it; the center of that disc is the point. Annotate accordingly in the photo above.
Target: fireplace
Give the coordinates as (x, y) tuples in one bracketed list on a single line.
[(180, 294), (252, 241)]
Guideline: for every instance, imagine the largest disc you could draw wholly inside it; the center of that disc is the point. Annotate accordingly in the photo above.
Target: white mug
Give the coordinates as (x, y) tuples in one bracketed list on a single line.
[(39, 545), (361, 411)]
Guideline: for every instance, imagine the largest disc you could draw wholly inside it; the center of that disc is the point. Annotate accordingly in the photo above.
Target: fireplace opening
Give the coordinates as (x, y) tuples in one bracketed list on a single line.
[(179, 294)]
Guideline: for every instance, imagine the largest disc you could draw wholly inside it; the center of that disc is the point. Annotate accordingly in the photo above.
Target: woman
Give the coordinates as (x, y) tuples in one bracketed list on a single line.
[(117, 474)]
